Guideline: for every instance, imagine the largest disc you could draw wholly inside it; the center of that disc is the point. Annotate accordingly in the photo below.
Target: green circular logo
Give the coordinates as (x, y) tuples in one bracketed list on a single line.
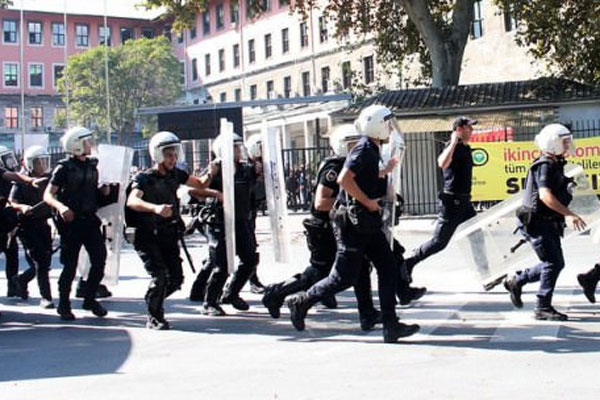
[(480, 157)]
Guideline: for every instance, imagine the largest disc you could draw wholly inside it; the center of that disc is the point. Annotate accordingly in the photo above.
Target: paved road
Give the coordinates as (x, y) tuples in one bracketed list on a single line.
[(472, 344)]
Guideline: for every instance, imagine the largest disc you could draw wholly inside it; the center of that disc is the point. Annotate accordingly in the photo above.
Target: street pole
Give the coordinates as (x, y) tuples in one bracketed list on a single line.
[(23, 79), (66, 57), (108, 122)]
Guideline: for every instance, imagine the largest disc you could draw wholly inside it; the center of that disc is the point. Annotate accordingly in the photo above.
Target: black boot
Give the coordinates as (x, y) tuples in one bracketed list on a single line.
[(589, 281), (514, 287), (407, 294), (299, 306), (545, 312), (157, 324), (64, 309), (81, 290), (274, 296), (198, 290), (394, 330), (329, 302), (95, 307), (369, 320), (20, 287), (103, 292), (236, 301), (212, 310)]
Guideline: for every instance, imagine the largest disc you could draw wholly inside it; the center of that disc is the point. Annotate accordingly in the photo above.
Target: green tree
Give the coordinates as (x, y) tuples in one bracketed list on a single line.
[(563, 33), (142, 73)]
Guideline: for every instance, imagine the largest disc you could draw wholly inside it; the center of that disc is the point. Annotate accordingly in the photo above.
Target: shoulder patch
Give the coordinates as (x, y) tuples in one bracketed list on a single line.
[(331, 176)]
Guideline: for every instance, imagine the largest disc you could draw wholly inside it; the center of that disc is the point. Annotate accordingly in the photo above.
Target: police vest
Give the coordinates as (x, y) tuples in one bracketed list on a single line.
[(80, 192)]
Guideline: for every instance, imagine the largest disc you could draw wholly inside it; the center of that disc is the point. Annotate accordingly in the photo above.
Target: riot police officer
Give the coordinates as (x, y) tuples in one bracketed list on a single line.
[(153, 210), (455, 205), (212, 277), (542, 220), (74, 193), (34, 231), (321, 239), (358, 226)]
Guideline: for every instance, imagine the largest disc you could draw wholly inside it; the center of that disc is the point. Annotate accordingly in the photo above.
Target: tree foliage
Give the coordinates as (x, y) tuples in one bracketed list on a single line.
[(142, 73), (5, 3), (563, 33)]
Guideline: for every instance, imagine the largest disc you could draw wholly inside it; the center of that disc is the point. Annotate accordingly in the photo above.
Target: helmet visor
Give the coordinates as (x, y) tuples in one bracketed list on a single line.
[(40, 164), (9, 161)]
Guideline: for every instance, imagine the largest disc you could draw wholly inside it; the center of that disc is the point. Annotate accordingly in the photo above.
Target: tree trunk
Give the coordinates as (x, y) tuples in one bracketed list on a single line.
[(446, 65)]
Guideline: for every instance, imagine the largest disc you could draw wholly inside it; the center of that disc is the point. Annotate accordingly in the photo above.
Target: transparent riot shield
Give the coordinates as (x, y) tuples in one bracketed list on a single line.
[(396, 148), (228, 179), (276, 194), (492, 245), (114, 165)]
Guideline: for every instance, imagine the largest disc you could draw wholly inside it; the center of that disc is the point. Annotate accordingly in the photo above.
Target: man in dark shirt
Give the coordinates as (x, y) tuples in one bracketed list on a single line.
[(153, 210), (455, 205), (543, 217), (358, 226)]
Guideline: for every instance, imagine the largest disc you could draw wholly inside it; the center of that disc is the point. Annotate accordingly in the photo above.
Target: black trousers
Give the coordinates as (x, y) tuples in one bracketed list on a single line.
[(160, 255), (36, 238), (10, 248), (214, 272), (81, 232), (352, 249)]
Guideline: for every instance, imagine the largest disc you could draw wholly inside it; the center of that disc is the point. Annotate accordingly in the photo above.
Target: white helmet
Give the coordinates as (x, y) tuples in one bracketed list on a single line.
[(33, 153), (217, 144), (161, 141), (254, 146), (72, 140), (551, 139), (341, 136), (8, 159), (376, 122)]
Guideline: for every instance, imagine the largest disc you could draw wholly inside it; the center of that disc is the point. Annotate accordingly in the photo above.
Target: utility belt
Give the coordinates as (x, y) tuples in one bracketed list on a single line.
[(456, 198), (532, 222), (356, 216), (172, 227)]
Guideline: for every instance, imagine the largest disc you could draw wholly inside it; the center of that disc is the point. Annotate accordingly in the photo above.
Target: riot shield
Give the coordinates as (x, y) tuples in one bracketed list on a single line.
[(114, 165), (493, 235), (276, 194), (228, 179), (395, 148)]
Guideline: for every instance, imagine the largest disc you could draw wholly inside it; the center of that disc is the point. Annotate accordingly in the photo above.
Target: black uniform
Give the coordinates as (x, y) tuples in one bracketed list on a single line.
[(8, 244), (156, 238), (35, 235), (321, 242), (213, 275), (359, 233), (77, 183), (544, 227), (454, 208)]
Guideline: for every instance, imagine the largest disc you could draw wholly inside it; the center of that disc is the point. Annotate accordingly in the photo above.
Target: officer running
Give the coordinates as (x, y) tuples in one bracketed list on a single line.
[(321, 239), (542, 220), (358, 227), (74, 193)]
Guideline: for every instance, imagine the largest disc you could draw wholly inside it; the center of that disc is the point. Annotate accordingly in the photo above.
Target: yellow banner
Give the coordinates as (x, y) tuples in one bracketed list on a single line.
[(501, 167)]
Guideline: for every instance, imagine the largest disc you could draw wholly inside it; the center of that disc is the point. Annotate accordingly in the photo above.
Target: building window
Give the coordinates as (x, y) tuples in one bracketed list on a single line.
[(477, 25), (58, 34), (194, 69), (306, 84), (126, 34), (9, 28), (287, 87), (82, 35), (222, 60), (268, 46), (253, 92), (234, 9), (11, 75), (37, 117), (11, 117), (35, 32), (193, 33), (182, 72), (303, 35), (223, 97), (206, 22), (148, 33), (105, 35), (325, 74), (284, 3), (251, 51), (220, 16), (58, 73), (369, 70), (509, 20), (236, 55), (36, 73), (167, 32), (238, 95), (346, 75), (207, 64), (285, 40), (270, 89), (323, 35)]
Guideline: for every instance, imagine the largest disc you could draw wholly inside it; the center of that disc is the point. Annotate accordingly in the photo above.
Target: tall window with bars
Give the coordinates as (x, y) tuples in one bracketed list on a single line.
[(58, 34), (37, 117), (477, 24), (34, 30), (82, 35), (11, 117)]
